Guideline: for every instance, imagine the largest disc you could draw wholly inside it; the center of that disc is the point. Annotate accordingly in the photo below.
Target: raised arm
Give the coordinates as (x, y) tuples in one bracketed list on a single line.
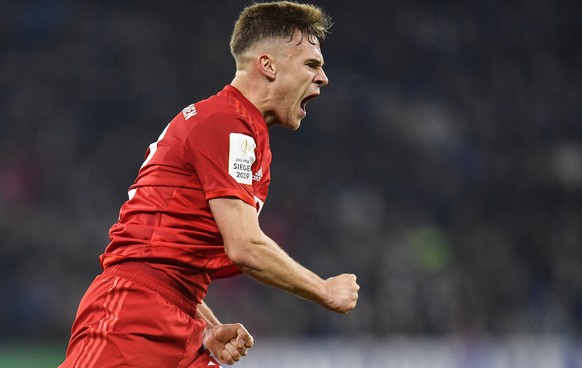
[(262, 259)]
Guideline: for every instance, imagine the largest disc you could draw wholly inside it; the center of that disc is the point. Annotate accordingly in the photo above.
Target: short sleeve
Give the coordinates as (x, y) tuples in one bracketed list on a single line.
[(222, 152)]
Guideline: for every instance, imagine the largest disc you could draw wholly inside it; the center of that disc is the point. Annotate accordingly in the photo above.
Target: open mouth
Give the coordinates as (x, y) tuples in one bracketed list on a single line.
[(305, 100)]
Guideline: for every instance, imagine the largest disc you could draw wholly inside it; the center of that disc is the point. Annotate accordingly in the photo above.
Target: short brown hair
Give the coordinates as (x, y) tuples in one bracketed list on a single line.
[(278, 19)]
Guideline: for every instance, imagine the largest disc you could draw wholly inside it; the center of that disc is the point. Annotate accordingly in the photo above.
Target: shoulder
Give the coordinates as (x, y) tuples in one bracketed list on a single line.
[(224, 113), (217, 113)]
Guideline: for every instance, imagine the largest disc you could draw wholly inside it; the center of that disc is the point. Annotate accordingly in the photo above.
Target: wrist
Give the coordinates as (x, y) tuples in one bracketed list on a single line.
[(207, 333), (327, 296)]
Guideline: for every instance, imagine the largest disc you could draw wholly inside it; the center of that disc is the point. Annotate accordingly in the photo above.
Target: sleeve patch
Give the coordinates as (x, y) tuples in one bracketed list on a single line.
[(241, 157), (189, 111)]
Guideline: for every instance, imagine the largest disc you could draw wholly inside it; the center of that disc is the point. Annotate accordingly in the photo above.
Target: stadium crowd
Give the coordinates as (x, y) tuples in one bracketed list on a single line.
[(442, 165)]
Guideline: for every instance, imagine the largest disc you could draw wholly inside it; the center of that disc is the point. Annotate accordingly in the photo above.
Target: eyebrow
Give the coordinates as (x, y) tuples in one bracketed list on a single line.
[(315, 61)]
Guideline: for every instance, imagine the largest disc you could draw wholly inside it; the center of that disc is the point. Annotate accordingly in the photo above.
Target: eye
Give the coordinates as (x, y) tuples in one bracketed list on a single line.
[(313, 63)]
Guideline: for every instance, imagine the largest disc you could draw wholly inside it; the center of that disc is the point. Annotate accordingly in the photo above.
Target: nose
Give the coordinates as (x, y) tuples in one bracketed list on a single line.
[(321, 78)]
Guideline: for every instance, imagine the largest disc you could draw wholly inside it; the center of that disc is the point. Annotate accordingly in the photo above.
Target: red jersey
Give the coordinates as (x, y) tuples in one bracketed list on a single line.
[(218, 147)]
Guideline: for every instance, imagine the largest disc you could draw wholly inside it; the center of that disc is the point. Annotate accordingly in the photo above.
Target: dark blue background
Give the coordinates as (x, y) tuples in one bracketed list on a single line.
[(442, 165)]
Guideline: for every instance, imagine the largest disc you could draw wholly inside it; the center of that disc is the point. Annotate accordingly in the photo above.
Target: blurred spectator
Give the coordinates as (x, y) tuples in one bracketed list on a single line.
[(443, 164)]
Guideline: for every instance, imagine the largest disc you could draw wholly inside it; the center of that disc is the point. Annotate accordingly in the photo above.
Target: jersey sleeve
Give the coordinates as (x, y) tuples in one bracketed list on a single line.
[(222, 150)]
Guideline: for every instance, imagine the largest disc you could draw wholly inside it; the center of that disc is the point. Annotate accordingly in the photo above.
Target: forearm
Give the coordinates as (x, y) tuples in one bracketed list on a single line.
[(260, 257), (266, 262), (205, 313)]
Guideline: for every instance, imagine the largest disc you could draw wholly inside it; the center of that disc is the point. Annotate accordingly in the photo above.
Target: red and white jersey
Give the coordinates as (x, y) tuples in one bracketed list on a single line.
[(218, 147)]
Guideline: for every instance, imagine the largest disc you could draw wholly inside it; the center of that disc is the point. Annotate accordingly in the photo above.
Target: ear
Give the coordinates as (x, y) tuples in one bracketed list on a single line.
[(267, 67)]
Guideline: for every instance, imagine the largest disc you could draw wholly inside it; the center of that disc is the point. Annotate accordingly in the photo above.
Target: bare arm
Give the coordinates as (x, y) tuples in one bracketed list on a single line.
[(262, 259), (205, 313)]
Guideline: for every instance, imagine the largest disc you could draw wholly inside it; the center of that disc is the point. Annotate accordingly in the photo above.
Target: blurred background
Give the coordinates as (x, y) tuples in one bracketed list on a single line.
[(442, 165)]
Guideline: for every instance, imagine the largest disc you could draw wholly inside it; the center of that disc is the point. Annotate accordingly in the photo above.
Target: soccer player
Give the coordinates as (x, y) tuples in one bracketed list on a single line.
[(192, 213)]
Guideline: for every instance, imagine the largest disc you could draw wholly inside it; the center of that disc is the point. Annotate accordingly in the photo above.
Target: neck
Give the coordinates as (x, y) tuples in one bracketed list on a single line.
[(257, 93)]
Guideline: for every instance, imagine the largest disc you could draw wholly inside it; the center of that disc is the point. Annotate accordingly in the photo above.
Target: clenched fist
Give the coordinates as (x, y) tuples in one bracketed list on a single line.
[(228, 343), (342, 293)]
